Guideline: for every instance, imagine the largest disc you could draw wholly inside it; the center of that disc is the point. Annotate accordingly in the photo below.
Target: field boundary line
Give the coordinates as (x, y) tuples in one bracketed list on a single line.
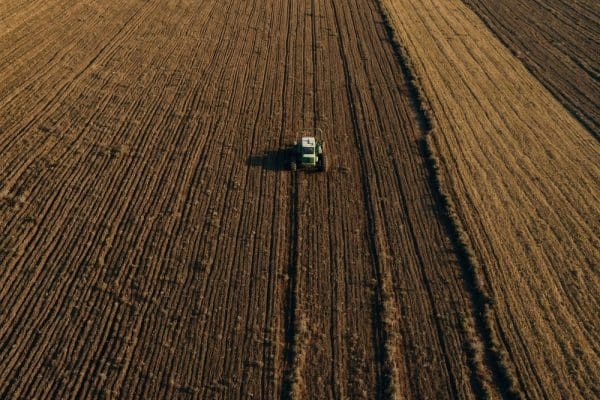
[(569, 108), (482, 303)]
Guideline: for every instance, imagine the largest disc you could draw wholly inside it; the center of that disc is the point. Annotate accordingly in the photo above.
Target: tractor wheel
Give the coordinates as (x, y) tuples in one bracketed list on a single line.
[(293, 166), (323, 163)]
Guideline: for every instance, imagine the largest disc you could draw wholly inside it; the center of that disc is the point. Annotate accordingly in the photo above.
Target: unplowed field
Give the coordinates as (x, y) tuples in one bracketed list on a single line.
[(558, 40), (154, 246), (523, 175)]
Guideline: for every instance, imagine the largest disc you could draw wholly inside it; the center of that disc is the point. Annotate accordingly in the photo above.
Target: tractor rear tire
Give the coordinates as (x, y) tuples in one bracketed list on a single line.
[(323, 163), (293, 166)]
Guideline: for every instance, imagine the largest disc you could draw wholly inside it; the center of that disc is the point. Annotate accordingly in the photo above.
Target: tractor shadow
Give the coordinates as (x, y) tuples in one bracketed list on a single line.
[(271, 160)]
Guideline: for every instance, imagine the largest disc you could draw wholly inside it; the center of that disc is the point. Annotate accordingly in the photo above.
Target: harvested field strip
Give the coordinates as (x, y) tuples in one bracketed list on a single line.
[(523, 175), (490, 378), (557, 40)]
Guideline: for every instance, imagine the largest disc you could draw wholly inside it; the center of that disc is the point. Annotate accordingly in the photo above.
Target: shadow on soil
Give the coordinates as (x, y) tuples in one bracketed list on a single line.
[(271, 160)]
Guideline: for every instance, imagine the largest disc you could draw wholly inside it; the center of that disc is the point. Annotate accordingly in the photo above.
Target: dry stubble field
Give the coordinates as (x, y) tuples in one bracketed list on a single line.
[(523, 176), (153, 245)]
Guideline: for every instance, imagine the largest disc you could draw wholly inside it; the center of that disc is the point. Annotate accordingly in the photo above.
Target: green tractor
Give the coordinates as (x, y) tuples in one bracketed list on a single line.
[(309, 152)]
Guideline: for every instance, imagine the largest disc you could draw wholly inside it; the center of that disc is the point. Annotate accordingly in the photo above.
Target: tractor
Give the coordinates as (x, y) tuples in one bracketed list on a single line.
[(309, 152)]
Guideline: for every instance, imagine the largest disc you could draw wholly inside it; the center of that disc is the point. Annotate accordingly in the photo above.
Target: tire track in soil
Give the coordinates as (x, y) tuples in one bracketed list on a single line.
[(291, 328)]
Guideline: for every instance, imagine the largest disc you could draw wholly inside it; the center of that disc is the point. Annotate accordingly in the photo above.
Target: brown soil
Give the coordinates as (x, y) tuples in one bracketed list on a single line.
[(154, 246)]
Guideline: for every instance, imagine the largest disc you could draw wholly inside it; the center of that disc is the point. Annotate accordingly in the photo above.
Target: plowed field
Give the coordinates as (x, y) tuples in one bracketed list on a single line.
[(153, 244)]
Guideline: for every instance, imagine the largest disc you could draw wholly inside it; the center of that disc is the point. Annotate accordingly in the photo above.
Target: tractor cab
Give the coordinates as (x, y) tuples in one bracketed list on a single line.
[(308, 153)]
